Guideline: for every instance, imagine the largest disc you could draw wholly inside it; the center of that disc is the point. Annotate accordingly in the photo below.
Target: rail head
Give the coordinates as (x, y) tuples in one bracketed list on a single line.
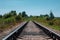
[(15, 30)]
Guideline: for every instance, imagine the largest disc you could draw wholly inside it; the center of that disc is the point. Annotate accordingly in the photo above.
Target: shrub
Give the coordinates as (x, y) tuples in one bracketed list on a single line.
[(57, 22), (9, 20), (18, 18), (50, 22)]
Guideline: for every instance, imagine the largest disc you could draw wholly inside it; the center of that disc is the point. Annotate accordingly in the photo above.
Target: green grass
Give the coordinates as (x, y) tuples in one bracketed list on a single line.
[(46, 23), (52, 26)]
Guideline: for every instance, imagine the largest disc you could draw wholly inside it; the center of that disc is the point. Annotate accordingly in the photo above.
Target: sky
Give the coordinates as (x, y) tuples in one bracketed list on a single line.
[(32, 7)]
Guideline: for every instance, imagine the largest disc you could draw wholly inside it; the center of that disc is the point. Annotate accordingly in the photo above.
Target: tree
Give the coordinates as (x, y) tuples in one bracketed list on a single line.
[(41, 15), (6, 15), (10, 14), (31, 16), (51, 15), (46, 15), (0, 16), (24, 14), (20, 14), (13, 13)]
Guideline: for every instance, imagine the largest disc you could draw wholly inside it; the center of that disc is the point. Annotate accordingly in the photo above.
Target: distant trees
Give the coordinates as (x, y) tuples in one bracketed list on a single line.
[(51, 16), (31, 16), (10, 14), (13, 13), (20, 14), (6, 15), (0, 16), (41, 15), (24, 14), (48, 17), (14, 16)]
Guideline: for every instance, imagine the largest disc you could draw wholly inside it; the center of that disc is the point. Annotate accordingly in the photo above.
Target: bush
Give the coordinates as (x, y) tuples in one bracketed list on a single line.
[(18, 18), (57, 22), (50, 23), (9, 20)]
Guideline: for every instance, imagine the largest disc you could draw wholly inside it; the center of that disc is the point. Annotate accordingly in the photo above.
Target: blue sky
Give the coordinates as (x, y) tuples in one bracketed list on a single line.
[(32, 7)]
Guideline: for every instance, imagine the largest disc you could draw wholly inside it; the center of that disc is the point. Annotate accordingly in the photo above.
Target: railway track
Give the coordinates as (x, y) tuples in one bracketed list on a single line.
[(31, 31)]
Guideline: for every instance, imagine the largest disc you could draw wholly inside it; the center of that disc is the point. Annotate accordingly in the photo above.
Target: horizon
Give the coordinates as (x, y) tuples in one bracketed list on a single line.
[(32, 7)]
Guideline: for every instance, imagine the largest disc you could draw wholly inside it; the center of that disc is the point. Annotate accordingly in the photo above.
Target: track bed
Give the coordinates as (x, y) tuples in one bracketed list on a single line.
[(32, 32)]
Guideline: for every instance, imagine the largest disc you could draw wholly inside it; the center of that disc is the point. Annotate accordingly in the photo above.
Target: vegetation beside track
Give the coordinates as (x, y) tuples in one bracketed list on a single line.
[(56, 23), (48, 20), (11, 19)]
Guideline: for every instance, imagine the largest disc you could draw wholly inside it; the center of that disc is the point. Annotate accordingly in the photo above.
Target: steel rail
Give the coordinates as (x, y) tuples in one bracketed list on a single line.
[(15, 33), (48, 31)]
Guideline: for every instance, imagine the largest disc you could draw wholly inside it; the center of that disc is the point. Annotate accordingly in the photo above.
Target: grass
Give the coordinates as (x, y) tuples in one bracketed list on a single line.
[(52, 26), (55, 26), (7, 23)]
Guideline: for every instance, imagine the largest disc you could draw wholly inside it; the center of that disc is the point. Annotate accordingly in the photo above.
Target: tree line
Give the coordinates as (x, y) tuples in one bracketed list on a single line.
[(48, 17)]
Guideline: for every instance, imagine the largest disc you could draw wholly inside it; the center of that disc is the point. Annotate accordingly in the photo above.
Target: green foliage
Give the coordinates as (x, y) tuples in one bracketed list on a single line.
[(6, 15), (50, 23), (13, 13), (18, 18), (10, 14), (51, 16), (24, 14), (41, 16), (49, 20), (20, 14), (46, 15), (0, 16), (31, 16), (54, 24), (56, 21), (10, 19)]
